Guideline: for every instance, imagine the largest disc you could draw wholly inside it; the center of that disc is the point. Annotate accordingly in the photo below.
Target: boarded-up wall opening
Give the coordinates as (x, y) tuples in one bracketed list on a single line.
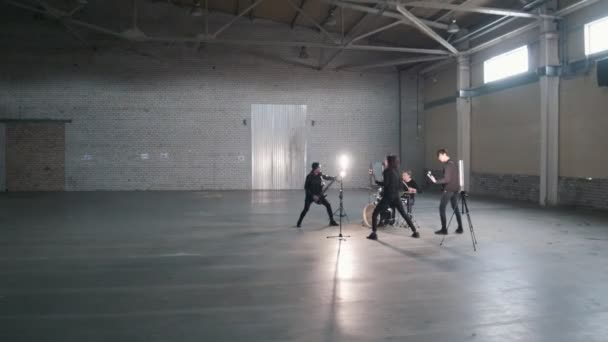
[(35, 156)]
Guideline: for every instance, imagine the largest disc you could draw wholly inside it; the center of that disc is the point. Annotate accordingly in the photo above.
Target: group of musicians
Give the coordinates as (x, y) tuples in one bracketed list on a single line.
[(394, 185)]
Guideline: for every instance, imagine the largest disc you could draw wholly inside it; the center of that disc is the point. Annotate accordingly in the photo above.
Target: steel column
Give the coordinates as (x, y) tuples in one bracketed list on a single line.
[(549, 116), (463, 119)]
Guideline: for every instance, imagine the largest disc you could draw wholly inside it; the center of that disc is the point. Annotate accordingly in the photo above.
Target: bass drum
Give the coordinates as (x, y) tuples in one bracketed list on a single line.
[(368, 210), (383, 220)]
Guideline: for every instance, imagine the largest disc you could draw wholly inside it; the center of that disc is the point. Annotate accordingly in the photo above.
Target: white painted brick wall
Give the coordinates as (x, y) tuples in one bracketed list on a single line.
[(129, 99)]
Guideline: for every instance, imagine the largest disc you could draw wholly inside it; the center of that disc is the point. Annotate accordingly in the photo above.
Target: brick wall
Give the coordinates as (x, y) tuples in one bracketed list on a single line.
[(576, 192), (35, 156), (517, 187), (584, 192)]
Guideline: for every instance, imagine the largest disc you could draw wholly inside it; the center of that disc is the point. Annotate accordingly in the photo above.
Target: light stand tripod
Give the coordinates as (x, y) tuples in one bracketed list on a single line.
[(465, 210), (342, 213)]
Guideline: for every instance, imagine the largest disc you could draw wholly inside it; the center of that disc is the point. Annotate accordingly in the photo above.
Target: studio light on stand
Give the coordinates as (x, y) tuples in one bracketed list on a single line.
[(461, 174), (344, 162)]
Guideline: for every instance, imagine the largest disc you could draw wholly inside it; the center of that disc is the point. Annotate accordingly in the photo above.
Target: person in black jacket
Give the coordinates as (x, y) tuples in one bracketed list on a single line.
[(314, 193), (451, 188), (390, 196)]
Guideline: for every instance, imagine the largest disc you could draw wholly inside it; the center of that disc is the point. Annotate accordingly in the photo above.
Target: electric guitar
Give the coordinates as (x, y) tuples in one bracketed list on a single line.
[(323, 195)]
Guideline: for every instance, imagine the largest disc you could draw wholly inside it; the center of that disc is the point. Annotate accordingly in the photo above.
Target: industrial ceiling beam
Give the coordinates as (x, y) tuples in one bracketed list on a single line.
[(209, 39), (380, 6), (233, 20), (59, 15), (481, 31), (311, 20), (394, 62), (449, 13), (485, 29), (425, 29), (378, 30), (206, 39), (355, 27), (461, 8), (395, 49), (389, 14), (478, 9), (295, 16), (564, 11)]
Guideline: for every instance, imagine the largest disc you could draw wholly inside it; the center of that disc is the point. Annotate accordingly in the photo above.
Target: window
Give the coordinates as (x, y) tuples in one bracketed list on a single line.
[(506, 65), (595, 36)]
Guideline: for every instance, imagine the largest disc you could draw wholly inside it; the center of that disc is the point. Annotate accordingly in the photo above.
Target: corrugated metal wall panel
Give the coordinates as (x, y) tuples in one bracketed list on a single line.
[(278, 141)]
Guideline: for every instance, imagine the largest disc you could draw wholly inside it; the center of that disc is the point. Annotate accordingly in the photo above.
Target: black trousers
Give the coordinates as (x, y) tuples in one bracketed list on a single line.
[(386, 203), (408, 209), (451, 197), (308, 201)]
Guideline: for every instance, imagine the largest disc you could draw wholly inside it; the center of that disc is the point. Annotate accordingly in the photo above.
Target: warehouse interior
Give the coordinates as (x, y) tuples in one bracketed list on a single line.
[(153, 157)]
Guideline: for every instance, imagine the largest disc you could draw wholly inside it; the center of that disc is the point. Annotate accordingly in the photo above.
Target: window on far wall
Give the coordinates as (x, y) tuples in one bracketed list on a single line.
[(595, 36), (506, 65)]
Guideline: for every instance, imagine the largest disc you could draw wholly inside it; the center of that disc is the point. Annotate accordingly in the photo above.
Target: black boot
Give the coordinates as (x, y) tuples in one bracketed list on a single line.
[(333, 223), (459, 230), (415, 235), (442, 231), (372, 236)]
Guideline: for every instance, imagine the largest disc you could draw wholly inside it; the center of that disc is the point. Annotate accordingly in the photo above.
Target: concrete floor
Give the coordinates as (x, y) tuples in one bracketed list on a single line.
[(200, 266)]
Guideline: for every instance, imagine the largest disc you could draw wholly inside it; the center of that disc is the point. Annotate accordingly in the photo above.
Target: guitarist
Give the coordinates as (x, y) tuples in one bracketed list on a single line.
[(314, 193), (390, 196)]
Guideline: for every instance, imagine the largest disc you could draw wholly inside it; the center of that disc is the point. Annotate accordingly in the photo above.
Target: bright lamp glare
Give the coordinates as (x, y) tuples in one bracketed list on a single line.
[(461, 173), (344, 162), (342, 174)]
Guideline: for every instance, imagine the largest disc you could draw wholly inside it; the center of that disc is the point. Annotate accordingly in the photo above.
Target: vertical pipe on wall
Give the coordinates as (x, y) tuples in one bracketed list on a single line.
[(463, 110), (549, 114), (400, 117), (2, 157)]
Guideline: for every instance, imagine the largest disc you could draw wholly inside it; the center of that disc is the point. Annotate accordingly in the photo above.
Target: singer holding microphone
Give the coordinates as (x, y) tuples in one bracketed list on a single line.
[(450, 186)]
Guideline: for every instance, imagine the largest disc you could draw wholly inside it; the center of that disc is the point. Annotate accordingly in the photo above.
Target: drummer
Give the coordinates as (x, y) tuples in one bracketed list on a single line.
[(409, 189), (408, 184)]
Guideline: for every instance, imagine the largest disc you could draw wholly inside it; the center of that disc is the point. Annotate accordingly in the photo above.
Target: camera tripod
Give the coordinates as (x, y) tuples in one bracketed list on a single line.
[(465, 210), (342, 213)]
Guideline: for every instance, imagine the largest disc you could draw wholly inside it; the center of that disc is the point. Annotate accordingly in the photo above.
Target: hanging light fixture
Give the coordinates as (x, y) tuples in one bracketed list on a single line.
[(331, 19), (453, 27), (196, 10), (303, 53)]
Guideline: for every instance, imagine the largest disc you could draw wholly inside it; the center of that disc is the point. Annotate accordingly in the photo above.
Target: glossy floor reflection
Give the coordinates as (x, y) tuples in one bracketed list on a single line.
[(211, 266)]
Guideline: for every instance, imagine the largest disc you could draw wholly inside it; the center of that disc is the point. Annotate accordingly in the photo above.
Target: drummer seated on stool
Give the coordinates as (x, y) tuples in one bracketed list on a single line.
[(409, 189)]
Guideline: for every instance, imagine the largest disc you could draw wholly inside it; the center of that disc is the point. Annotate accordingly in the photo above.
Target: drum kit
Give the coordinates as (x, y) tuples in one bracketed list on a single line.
[(385, 217)]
